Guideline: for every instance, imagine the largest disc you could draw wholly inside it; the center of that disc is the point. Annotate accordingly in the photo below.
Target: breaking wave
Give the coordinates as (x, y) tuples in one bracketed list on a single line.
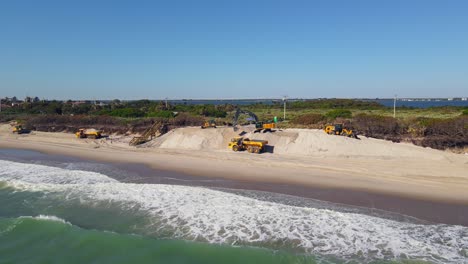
[(202, 214)]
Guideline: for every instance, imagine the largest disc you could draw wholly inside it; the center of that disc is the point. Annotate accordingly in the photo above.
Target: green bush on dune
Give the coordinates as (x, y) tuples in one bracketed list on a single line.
[(343, 113)]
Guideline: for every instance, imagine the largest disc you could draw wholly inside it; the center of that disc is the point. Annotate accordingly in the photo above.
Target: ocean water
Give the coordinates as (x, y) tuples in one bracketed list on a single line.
[(64, 214)]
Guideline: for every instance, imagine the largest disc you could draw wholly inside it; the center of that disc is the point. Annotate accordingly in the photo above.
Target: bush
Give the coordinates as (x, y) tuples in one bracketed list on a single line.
[(335, 104), (213, 111), (127, 112), (162, 113), (382, 127), (343, 113), (465, 112), (184, 119), (308, 119)]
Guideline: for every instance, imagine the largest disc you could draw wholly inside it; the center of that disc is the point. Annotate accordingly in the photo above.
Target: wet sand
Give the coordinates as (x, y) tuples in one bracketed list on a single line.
[(431, 211)]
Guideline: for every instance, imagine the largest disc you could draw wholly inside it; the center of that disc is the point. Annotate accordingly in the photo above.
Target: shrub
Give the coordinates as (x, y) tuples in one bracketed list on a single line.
[(213, 111), (162, 113), (184, 119), (127, 112), (378, 126), (343, 113), (465, 112), (308, 119), (335, 104)]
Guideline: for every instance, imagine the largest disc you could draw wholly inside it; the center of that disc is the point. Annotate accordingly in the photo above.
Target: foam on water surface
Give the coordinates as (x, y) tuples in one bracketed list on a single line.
[(202, 214)]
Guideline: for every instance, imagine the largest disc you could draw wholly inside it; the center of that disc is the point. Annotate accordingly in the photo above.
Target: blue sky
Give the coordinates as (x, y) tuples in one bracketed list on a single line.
[(233, 49)]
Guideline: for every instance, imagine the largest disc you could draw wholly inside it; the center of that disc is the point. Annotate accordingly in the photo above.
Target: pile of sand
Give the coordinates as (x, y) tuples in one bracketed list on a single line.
[(300, 142), (195, 138)]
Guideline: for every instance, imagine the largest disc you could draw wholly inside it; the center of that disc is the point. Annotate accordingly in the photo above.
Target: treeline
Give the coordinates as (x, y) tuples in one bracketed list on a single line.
[(131, 109), (108, 124)]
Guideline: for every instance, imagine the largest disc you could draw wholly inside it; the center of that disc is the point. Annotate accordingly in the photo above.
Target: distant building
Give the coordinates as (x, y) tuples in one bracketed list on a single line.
[(77, 103)]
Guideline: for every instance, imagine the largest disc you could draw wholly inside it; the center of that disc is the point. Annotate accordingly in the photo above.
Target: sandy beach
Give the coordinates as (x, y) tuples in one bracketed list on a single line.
[(300, 157)]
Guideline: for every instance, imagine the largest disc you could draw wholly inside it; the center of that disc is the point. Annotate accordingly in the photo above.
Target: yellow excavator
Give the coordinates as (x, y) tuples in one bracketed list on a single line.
[(252, 146), (88, 133), (340, 130), (266, 126)]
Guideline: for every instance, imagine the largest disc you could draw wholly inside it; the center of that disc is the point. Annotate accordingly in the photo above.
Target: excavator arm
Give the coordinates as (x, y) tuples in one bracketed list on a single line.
[(240, 112)]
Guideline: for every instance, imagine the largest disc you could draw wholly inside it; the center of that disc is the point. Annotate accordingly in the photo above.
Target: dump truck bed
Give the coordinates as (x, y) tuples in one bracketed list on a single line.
[(255, 142)]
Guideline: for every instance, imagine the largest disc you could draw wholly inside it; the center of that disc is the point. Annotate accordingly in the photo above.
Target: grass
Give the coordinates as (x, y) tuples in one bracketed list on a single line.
[(401, 113)]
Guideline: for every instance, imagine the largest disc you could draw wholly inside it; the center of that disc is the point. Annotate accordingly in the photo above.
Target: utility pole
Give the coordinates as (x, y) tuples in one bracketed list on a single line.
[(284, 111), (394, 106), (166, 104)]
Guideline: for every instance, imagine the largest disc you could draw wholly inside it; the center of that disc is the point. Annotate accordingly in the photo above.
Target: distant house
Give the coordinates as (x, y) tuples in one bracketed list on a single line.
[(77, 103)]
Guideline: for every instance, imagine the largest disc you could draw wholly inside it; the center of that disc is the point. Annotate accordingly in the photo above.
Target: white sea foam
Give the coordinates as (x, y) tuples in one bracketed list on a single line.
[(33, 173), (219, 217), (52, 218)]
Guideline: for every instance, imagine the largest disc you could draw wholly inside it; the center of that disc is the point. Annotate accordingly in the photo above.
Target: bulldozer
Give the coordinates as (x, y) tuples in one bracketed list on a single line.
[(252, 146), (340, 130), (88, 133), (18, 129), (209, 124)]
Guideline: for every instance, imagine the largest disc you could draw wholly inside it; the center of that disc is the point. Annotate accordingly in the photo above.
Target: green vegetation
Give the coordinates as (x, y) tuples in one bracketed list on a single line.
[(438, 127), (334, 114)]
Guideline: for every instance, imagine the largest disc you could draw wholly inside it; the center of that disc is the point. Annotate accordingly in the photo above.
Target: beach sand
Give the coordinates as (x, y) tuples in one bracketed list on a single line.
[(302, 160)]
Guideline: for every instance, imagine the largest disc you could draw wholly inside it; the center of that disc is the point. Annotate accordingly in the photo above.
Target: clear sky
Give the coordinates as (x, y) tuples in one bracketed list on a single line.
[(233, 49)]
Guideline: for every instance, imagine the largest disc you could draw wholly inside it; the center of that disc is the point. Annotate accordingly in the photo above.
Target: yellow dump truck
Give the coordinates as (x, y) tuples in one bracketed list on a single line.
[(252, 146), (88, 133)]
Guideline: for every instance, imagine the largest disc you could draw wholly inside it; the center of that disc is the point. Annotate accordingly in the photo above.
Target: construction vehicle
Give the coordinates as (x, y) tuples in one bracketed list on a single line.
[(252, 146), (209, 124), (265, 126), (18, 129), (88, 133), (259, 126), (156, 130), (338, 129)]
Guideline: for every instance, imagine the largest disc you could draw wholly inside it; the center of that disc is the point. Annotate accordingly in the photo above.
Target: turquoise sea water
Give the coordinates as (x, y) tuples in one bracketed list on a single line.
[(60, 215)]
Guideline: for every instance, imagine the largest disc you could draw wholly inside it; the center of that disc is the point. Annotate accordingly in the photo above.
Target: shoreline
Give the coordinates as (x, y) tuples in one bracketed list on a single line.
[(425, 210), (308, 163), (244, 167)]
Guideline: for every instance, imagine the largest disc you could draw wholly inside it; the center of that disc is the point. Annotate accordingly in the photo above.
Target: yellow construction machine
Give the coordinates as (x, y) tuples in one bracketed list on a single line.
[(156, 130), (209, 124), (88, 133), (252, 146), (265, 126), (340, 130), (18, 129)]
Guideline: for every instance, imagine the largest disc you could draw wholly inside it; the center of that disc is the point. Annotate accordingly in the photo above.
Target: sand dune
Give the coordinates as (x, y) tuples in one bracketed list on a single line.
[(296, 142)]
